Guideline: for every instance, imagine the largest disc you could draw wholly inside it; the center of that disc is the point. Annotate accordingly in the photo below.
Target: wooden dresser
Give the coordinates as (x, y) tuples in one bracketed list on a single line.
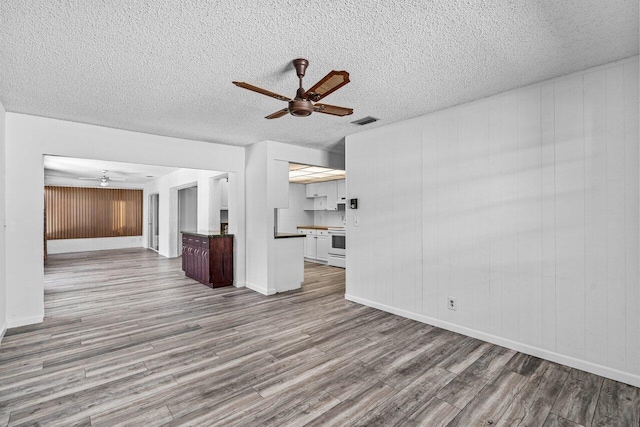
[(207, 256)]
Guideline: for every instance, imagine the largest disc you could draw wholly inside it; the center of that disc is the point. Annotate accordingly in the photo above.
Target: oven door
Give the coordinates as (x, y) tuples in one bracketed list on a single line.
[(337, 243)]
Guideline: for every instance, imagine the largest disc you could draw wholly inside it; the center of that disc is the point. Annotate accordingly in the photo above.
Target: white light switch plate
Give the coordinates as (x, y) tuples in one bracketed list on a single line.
[(356, 221)]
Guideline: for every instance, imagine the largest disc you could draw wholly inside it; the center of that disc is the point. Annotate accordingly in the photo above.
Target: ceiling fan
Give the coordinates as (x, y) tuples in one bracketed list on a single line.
[(304, 103), (104, 179)]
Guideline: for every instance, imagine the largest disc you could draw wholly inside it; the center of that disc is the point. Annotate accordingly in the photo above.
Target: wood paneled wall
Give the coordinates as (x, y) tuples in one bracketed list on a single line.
[(76, 213), (523, 206)]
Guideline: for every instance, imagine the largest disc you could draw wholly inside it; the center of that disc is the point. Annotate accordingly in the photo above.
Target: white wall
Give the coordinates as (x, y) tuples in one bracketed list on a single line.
[(259, 230), (523, 206), (267, 189), (289, 219), (28, 138), (3, 277), (330, 218), (168, 187), (62, 246), (74, 182), (187, 212)]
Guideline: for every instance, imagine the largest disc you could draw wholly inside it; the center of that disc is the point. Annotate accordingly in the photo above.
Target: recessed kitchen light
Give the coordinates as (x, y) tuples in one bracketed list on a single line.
[(305, 174)]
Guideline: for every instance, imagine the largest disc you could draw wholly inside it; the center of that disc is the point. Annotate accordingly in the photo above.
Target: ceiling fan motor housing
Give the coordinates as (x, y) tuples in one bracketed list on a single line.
[(300, 65), (300, 107)]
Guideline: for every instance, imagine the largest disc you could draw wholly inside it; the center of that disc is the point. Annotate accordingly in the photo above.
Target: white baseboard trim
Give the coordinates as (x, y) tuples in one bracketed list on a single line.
[(260, 289), (23, 321), (240, 284), (583, 365)]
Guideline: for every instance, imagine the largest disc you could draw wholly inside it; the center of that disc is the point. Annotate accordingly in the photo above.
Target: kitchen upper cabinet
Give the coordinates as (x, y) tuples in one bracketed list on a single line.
[(342, 191), (315, 204), (317, 189), (332, 195), (311, 190)]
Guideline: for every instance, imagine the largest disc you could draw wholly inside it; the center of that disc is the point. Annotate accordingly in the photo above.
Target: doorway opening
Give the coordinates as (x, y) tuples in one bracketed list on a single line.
[(187, 212), (154, 225)]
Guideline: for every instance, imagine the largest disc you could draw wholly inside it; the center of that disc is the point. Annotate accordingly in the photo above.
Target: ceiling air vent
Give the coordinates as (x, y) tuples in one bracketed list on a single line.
[(365, 121)]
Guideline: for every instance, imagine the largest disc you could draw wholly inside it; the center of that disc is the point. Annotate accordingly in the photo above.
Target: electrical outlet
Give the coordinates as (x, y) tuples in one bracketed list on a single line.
[(356, 221), (452, 304)]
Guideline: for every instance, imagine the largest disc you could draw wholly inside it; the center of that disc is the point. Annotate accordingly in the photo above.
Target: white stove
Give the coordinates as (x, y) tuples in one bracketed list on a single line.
[(337, 247)]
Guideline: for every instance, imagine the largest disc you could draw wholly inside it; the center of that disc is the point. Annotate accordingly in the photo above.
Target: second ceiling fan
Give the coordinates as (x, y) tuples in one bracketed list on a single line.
[(304, 103)]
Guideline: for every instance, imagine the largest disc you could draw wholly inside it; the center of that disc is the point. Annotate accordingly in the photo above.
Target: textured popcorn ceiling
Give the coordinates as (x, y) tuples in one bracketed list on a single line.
[(60, 170), (166, 67)]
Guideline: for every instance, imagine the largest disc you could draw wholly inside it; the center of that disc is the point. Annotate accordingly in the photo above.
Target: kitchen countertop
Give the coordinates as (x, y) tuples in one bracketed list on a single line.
[(287, 235), (319, 227), (206, 233)]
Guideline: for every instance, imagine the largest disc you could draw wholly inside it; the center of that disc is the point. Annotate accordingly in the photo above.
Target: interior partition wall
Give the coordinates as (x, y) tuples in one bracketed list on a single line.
[(522, 207)]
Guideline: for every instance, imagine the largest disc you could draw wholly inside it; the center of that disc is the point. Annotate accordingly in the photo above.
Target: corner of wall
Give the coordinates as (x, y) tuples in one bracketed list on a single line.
[(3, 330), (3, 278)]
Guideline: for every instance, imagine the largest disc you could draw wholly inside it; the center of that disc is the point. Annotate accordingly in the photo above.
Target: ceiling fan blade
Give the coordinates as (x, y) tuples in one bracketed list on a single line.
[(262, 91), (116, 179), (90, 179), (332, 109), (278, 114), (327, 85)]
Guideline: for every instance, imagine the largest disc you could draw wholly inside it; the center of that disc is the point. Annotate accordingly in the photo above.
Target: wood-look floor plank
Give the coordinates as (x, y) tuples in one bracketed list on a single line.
[(492, 401), (434, 413), (535, 400), (619, 405), (129, 340), (578, 398), (554, 420), (403, 404), (304, 412), (352, 408)]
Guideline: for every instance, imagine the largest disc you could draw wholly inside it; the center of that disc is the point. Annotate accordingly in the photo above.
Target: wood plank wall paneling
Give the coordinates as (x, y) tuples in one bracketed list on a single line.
[(529, 206), (77, 213)]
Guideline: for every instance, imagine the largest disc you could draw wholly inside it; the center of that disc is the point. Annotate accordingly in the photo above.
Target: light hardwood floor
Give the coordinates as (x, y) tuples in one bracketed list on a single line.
[(129, 340)]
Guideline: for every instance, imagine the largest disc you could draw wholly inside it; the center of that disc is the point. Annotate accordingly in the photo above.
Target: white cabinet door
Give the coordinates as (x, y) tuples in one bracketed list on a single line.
[(332, 195), (317, 189), (311, 250), (342, 190), (310, 190), (321, 189), (322, 248), (303, 231)]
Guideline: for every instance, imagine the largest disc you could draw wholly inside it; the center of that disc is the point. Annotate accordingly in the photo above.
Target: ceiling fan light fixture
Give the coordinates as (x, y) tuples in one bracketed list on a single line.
[(300, 107), (104, 183)]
